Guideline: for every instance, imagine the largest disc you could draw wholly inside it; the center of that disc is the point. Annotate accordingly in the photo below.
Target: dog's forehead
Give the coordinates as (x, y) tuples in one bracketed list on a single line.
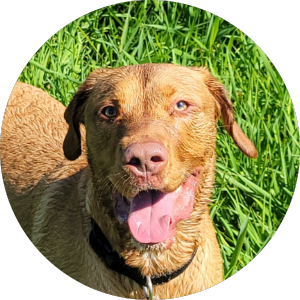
[(165, 78), (151, 82)]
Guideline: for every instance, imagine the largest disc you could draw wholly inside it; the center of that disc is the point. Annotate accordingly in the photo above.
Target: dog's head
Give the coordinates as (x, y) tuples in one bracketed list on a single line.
[(151, 134)]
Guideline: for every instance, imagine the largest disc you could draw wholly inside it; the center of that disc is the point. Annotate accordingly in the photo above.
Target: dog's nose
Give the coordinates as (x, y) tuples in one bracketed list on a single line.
[(145, 159)]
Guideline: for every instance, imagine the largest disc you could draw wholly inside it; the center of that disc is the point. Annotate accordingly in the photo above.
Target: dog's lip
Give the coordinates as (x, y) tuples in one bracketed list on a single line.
[(195, 173)]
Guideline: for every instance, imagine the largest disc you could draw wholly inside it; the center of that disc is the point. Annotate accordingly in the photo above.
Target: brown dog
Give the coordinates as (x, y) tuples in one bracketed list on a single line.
[(130, 201)]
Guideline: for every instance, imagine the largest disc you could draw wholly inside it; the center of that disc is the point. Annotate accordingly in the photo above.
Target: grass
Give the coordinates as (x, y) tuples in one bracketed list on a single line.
[(251, 197)]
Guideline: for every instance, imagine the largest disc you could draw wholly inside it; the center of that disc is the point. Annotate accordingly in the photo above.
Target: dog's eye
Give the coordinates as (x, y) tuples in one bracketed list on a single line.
[(109, 111), (181, 106)]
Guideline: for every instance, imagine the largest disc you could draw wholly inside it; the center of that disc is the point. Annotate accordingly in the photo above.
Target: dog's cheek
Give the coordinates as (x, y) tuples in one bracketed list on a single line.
[(101, 142), (198, 138)]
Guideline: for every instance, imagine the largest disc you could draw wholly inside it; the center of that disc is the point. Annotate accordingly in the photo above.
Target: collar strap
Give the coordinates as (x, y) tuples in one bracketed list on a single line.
[(115, 262)]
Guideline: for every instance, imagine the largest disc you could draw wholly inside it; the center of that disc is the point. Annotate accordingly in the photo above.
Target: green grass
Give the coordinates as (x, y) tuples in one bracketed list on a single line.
[(251, 197)]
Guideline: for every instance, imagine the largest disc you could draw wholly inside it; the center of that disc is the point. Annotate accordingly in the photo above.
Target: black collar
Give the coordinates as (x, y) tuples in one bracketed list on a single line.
[(115, 262)]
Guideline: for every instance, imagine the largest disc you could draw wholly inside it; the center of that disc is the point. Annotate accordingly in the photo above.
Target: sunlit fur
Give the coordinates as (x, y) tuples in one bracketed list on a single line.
[(54, 198)]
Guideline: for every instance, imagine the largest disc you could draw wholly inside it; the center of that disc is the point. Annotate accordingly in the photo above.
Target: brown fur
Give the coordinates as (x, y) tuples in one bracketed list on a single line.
[(53, 198)]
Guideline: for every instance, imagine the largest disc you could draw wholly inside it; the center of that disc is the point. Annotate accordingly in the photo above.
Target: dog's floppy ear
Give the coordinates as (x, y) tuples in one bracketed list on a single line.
[(219, 93), (74, 115)]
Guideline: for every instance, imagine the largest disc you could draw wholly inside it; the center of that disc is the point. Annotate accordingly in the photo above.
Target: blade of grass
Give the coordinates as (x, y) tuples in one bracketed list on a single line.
[(53, 72), (238, 248)]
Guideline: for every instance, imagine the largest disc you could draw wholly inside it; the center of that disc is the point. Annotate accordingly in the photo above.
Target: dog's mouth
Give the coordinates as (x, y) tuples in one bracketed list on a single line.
[(152, 215)]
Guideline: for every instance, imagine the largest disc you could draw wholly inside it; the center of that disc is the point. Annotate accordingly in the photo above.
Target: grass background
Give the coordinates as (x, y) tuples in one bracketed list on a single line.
[(251, 197)]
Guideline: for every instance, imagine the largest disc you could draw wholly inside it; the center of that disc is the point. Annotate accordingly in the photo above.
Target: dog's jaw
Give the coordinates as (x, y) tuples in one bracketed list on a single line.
[(152, 215)]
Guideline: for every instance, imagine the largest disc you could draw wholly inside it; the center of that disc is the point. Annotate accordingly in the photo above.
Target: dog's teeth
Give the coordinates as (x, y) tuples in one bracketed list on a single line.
[(179, 189)]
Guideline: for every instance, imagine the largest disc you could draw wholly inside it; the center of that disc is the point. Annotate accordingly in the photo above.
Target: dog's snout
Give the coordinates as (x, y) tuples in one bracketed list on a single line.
[(145, 159)]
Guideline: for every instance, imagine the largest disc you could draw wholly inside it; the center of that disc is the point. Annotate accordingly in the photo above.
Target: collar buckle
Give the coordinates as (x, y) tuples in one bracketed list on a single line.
[(148, 290)]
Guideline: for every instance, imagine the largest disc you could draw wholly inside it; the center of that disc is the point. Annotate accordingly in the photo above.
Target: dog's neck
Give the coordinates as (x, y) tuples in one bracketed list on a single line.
[(115, 262)]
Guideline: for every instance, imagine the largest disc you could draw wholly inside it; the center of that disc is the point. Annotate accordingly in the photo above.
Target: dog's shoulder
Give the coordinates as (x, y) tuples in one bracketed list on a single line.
[(26, 98), (32, 135)]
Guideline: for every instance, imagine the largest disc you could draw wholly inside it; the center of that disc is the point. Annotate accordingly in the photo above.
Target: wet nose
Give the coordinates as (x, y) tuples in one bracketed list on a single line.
[(145, 159)]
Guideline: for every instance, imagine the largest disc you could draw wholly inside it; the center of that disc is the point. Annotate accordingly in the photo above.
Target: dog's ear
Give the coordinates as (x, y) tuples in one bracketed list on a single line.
[(74, 115), (225, 107)]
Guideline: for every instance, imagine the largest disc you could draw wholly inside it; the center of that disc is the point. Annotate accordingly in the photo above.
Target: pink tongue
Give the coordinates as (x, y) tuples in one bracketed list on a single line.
[(152, 212)]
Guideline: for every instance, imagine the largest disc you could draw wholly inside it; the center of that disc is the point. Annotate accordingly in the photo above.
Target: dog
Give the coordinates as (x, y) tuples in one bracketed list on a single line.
[(114, 190)]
